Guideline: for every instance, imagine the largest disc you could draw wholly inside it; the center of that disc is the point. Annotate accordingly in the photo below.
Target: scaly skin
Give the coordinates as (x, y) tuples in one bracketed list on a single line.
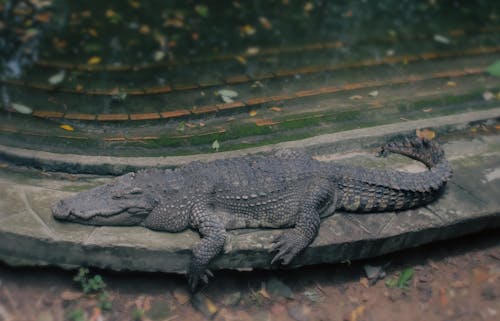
[(285, 190)]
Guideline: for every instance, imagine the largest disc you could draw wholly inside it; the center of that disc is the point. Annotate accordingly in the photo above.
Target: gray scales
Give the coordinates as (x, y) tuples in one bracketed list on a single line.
[(287, 189)]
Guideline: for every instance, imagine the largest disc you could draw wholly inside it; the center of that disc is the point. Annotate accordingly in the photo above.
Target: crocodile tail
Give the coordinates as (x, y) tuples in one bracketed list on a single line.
[(371, 190)]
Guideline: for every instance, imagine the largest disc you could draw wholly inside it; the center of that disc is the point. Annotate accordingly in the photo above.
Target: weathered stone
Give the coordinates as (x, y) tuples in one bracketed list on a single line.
[(30, 236)]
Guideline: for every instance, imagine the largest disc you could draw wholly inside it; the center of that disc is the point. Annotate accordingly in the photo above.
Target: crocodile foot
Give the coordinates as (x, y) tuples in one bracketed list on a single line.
[(288, 244), (197, 273)]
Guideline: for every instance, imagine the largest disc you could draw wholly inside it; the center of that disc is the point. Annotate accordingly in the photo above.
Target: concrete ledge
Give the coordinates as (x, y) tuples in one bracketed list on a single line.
[(30, 236), (358, 138)]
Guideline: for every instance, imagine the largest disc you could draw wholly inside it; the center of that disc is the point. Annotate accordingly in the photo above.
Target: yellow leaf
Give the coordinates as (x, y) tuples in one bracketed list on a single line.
[(212, 308), (247, 30), (67, 127), (451, 84), (144, 29), (357, 313), (94, 60), (425, 134), (252, 113), (134, 4), (364, 282), (264, 22), (241, 60), (110, 13), (264, 293)]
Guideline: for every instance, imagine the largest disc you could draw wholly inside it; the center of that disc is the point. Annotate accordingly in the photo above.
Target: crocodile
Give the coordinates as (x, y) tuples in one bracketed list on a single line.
[(285, 189)]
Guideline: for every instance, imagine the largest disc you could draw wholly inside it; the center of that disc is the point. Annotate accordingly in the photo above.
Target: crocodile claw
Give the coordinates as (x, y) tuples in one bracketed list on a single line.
[(195, 275), (288, 245)]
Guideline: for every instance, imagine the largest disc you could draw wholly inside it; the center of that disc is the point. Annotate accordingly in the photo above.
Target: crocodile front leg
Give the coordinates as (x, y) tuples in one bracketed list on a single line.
[(213, 237), (318, 194)]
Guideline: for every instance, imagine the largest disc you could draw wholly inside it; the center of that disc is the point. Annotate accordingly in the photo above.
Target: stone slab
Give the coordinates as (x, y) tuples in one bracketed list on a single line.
[(328, 143), (30, 236)]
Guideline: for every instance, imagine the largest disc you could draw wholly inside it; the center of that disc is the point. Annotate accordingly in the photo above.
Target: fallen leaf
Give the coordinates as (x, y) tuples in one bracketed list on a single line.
[(252, 51), (356, 97), (216, 145), (94, 60), (443, 297), (451, 84), (201, 10), (20, 108), (227, 99), (488, 95), (480, 274), (228, 93), (364, 282), (144, 29), (427, 110), (57, 78), (425, 134), (71, 295), (276, 108), (247, 30), (252, 113), (494, 69), (264, 22), (241, 60), (373, 93), (67, 127), (265, 122), (308, 6), (263, 291), (357, 313), (441, 39), (79, 88)]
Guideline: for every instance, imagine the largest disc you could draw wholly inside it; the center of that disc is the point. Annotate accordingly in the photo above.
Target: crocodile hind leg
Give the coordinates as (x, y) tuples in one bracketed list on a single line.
[(318, 194), (213, 236)]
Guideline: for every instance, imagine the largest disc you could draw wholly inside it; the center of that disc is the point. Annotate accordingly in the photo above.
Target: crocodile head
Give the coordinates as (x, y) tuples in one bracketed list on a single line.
[(127, 200)]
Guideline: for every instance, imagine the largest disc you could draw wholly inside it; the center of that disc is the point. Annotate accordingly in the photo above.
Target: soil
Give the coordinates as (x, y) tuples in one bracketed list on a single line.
[(452, 280)]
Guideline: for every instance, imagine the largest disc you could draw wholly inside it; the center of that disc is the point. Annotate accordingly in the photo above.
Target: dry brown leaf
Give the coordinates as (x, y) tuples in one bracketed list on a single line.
[(276, 108), (264, 22), (480, 274), (71, 295), (364, 282)]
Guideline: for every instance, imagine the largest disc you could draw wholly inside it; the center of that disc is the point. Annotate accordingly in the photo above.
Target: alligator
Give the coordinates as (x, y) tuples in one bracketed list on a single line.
[(286, 189)]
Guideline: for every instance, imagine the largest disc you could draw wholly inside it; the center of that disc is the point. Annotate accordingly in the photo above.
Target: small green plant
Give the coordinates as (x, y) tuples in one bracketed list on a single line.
[(402, 281), (138, 315), (76, 315), (94, 285), (89, 284), (105, 303)]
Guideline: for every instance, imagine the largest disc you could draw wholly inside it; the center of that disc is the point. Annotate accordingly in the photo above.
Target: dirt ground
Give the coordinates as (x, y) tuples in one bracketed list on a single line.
[(451, 280)]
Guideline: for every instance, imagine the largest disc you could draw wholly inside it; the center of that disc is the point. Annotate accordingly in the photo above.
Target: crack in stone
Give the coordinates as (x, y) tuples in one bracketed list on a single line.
[(387, 225), (91, 234), (477, 198), (443, 220), (351, 219), (36, 216)]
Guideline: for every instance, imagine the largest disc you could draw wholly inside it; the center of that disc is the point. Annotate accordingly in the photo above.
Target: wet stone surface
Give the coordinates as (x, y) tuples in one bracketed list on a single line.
[(30, 236)]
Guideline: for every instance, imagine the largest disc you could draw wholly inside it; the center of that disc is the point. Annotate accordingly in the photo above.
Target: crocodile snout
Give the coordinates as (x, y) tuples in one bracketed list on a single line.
[(61, 210)]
